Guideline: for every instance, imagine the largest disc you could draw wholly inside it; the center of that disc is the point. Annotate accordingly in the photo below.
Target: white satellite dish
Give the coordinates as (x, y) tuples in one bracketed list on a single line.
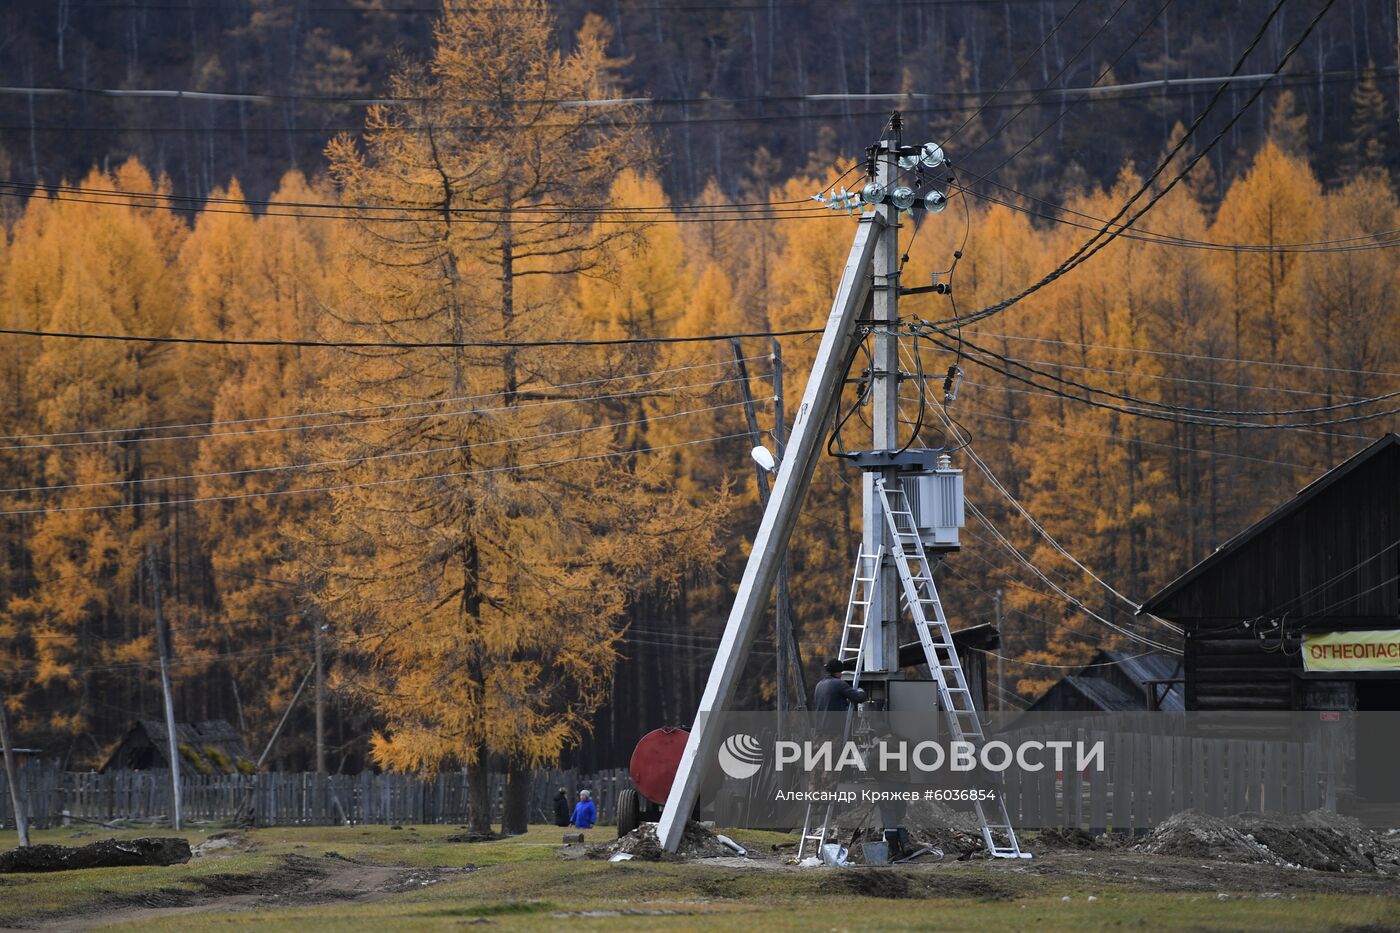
[(764, 458)]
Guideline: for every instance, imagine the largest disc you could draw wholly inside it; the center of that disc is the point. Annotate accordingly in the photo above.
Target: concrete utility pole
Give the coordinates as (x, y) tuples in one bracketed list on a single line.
[(163, 642), (814, 415), (882, 651), (12, 775)]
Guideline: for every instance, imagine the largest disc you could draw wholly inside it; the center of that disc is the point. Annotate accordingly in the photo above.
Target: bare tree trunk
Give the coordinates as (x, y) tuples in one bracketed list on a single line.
[(479, 792)]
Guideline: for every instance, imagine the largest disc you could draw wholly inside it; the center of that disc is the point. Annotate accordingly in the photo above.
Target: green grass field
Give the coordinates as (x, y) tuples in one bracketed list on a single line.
[(524, 883)]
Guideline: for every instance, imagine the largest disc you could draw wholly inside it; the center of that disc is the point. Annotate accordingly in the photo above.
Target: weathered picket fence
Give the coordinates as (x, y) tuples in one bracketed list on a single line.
[(56, 797)]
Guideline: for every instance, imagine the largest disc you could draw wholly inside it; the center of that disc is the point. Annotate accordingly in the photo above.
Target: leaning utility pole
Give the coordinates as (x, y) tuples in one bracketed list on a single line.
[(814, 415), (912, 505), (163, 643)]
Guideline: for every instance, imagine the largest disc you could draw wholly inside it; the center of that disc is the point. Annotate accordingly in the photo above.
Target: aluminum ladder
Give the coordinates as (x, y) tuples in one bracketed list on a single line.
[(954, 696), (857, 622)]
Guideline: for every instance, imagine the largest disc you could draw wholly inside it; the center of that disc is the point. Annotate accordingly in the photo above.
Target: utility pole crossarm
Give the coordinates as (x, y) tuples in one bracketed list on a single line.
[(819, 402)]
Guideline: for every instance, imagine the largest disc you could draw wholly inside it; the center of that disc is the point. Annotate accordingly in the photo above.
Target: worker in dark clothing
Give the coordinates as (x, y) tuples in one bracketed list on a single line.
[(562, 810), (834, 695)]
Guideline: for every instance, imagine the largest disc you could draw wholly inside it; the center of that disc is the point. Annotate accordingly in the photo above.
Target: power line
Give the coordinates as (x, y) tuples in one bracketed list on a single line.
[(392, 455), (1184, 380), (1167, 406), (523, 390), (1030, 519), (409, 344), (1060, 591), (1038, 96), (430, 211), (1108, 232), (1064, 109), (1304, 429), (1288, 604), (527, 407), (1167, 416), (1026, 61), (1063, 667), (437, 10), (1050, 539), (1060, 429), (458, 474), (1383, 239), (554, 218), (1191, 356)]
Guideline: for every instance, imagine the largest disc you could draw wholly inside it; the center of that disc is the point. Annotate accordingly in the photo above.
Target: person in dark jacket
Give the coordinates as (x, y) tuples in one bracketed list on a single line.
[(585, 814), (834, 695), (561, 808)]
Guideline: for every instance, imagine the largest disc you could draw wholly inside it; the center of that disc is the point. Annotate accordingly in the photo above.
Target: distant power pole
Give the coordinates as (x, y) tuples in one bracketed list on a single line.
[(793, 650), (782, 627), (12, 775), (1001, 655), (163, 643), (320, 695)]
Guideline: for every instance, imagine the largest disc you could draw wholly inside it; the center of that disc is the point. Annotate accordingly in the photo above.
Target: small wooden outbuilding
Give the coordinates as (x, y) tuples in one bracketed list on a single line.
[(1118, 682), (209, 747)]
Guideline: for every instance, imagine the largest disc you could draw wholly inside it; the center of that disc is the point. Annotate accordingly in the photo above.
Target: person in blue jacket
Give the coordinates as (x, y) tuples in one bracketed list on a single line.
[(585, 814)]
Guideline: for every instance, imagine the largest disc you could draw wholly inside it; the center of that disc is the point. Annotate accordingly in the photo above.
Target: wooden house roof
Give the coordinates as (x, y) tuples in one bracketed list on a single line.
[(1328, 530)]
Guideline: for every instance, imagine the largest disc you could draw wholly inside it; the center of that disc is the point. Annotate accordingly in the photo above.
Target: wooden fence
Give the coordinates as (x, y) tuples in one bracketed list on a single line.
[(1149, 777), (56, 798)]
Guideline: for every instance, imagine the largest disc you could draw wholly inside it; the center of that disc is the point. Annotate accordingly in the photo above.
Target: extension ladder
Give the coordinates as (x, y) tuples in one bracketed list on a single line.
[(857, 622), (955, 698)]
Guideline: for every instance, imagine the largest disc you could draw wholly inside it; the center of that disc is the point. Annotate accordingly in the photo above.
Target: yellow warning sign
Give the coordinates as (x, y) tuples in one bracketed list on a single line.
[(1352, 651)]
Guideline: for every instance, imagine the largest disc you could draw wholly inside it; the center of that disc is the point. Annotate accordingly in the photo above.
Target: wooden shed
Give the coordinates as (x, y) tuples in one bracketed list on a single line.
[(1302, 609), (1117, 682), (209, 747)]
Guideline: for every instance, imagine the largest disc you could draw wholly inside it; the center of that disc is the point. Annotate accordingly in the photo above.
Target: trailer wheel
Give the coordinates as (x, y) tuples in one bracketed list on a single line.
[(629, 811)]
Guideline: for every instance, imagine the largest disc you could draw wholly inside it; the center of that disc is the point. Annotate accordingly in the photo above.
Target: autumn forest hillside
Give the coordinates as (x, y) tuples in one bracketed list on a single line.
[(375, 443)]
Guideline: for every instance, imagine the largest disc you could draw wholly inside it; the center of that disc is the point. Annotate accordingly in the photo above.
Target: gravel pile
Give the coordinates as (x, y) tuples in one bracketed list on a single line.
[(1192, 834), (1320, 841)]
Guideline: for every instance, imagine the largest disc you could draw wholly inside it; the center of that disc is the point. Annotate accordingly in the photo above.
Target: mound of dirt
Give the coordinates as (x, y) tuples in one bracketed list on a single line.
[(1191, 834), (953, 831), (1321, 841), (105, 853), (642, 843)]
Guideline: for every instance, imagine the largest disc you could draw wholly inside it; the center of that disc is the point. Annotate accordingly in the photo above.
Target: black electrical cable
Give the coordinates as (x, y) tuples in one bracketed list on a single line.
[(431, 211), (1381, 239), (1092, 246), (1039, 95), (1023, 63), (1038, 98), (1182, 409), (406, 345), (1166, 416), (862, 394)]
